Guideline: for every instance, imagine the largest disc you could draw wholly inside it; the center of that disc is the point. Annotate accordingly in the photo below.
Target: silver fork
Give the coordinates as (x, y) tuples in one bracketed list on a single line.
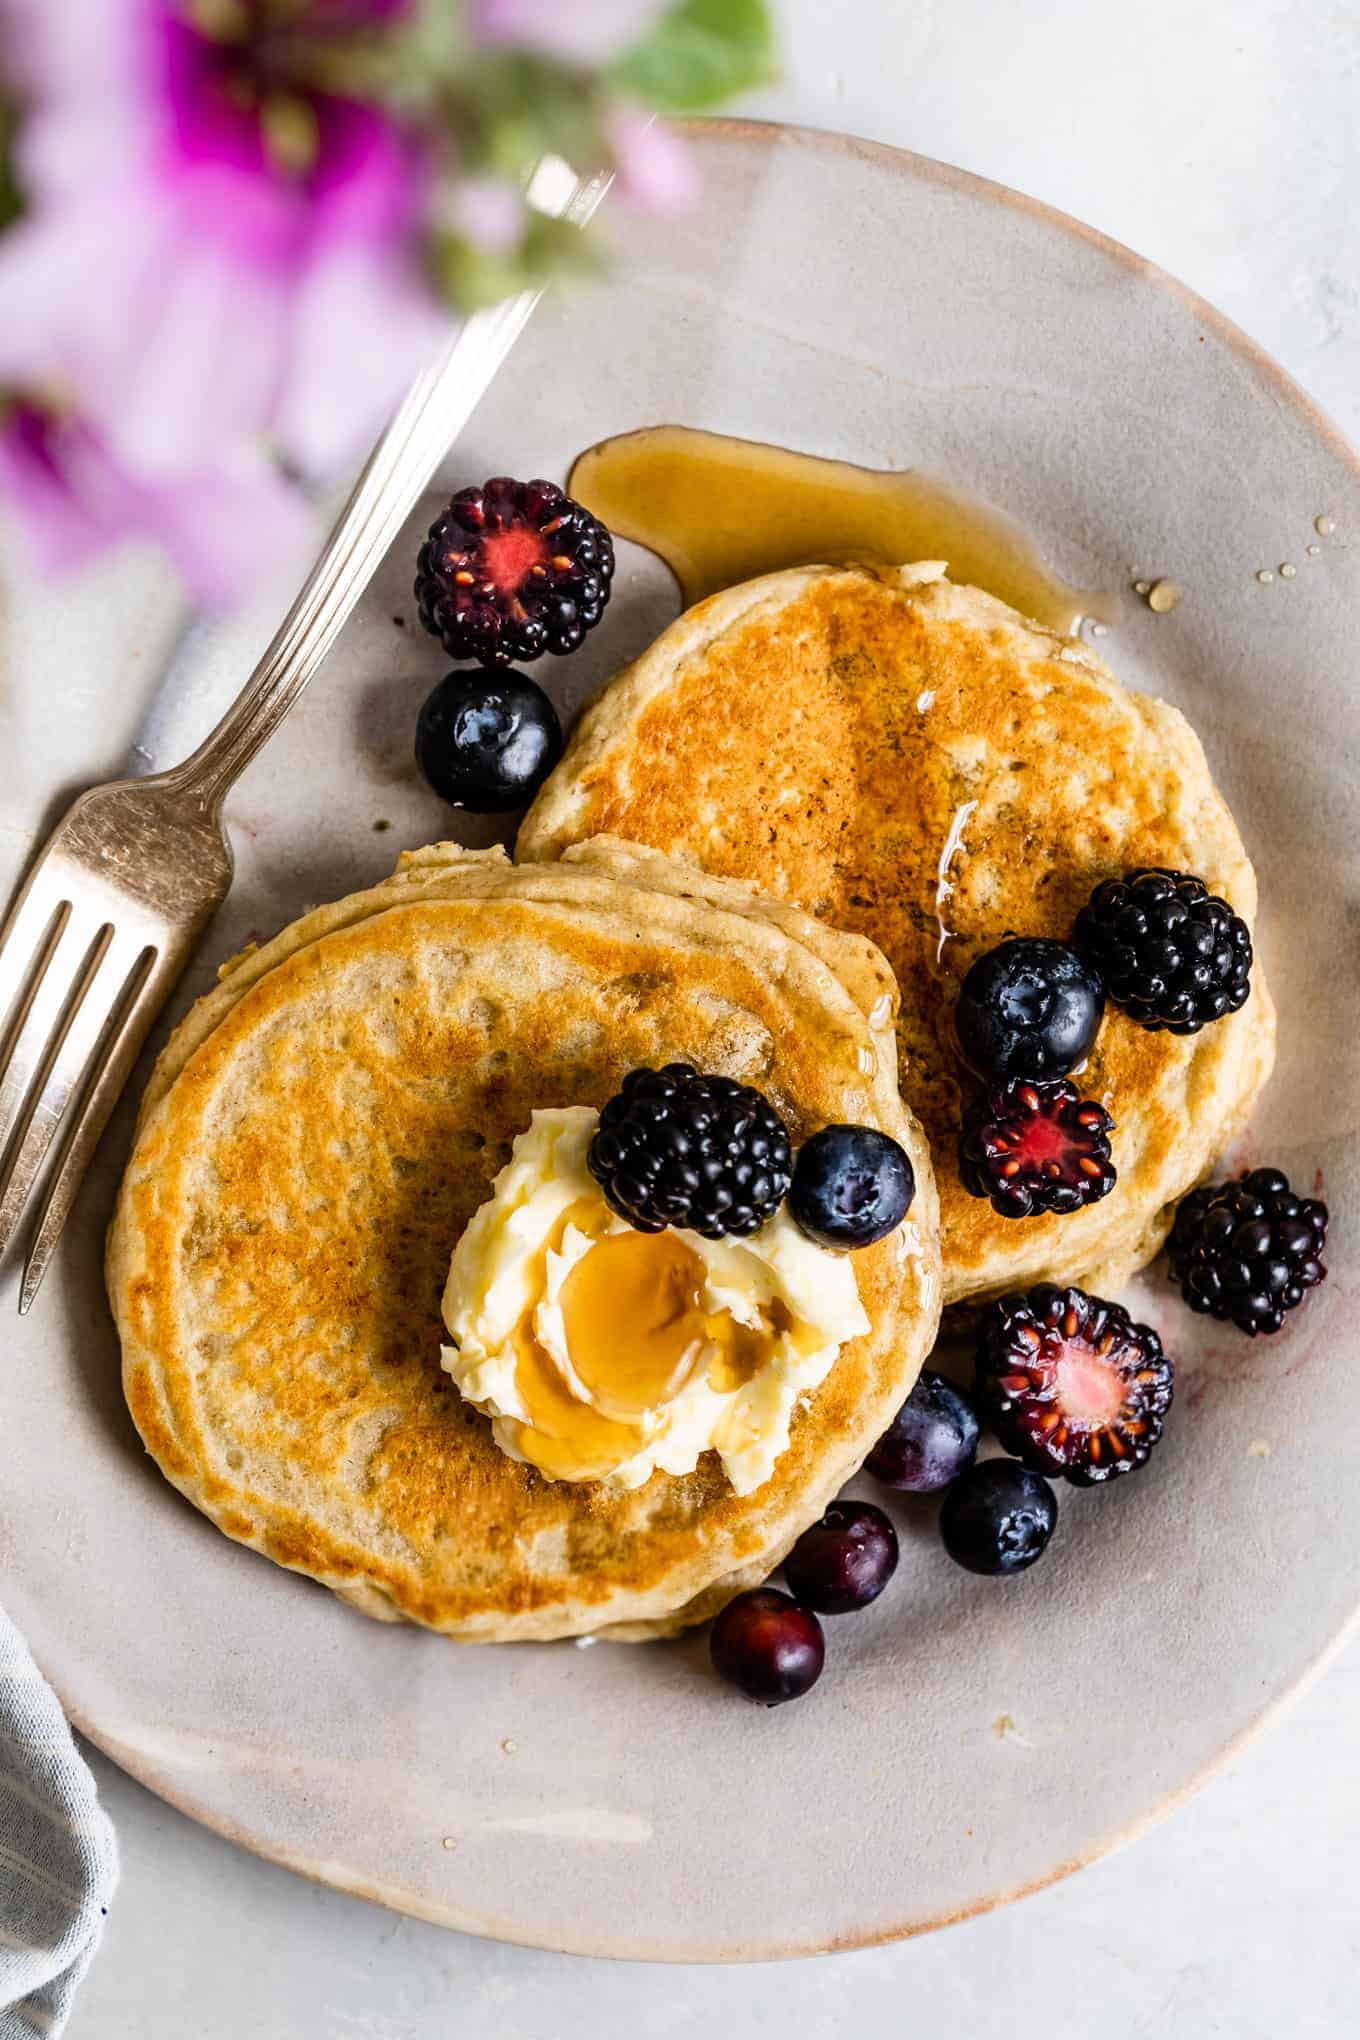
[(110, 912)]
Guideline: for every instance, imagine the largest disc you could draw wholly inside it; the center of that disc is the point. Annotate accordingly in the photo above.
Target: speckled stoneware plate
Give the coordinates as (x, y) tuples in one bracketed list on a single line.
[(971, 1739)]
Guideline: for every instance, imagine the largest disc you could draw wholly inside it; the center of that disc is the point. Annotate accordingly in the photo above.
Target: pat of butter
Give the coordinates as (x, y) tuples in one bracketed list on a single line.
[(781, 1303)]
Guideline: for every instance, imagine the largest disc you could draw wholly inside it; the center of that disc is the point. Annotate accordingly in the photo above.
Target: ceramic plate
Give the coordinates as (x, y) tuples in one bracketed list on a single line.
[(972, 1739)]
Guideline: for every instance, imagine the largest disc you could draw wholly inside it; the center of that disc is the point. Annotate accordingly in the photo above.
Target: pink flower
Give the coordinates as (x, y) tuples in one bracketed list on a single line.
[(657, 173), (72, 497), (581, 31), (217, 246), (490, 211)]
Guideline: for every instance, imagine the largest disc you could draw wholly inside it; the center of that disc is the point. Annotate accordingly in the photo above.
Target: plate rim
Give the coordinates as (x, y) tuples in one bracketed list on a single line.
[(932, 169), (334, 1875)]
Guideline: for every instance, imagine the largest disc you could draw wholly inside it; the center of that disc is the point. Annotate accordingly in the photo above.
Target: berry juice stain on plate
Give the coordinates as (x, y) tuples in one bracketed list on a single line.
[(720, 510)]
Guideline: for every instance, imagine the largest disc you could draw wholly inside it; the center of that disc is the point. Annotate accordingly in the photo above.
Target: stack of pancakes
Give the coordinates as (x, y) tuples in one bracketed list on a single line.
[(322, 1127), (830, 767)]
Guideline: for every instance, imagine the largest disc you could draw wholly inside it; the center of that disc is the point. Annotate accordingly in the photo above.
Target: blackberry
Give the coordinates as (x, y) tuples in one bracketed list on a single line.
[(674, 1148), (1172, 954), (1070, 1384), (512, 570), (1249, 1250), (1037, 1147)]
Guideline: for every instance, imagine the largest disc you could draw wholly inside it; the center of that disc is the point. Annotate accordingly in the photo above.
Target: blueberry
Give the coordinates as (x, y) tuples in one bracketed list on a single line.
[(998, 1517), (487, 741), (1031, 1008), (852, 1185), (767, 1646), (930, 1441), (845, 1561)]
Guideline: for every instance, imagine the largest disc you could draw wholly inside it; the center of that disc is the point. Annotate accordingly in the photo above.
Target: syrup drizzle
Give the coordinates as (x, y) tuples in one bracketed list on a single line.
[(720, 510)]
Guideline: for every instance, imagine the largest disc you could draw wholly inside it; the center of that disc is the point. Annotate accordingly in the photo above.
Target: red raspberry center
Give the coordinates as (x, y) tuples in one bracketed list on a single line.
[(1040, 1140), (1090, 1391), (507, 558)]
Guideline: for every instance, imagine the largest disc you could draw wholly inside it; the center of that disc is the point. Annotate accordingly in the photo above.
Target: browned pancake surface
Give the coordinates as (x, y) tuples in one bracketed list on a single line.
[(912, 760), (317, 1137)]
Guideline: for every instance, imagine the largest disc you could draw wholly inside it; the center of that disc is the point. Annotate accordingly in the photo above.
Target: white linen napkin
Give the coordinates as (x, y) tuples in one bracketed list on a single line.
[(58, 1855)]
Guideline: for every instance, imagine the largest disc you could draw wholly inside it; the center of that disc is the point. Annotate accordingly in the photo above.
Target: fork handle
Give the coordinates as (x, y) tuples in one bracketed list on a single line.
[(396, 474)]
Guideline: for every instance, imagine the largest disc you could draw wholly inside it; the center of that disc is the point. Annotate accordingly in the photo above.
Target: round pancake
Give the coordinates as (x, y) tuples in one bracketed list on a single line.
[(913, 760), (321, 1128)]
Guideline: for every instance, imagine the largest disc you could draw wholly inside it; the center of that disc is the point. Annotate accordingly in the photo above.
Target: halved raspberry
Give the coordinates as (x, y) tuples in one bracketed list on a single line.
[(513, 570), (1036, 1147), (1070, 1384)]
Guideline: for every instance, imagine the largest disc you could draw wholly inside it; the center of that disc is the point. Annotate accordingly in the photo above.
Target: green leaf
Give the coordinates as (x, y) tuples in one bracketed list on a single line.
[(470, 277), (699, 53), (551, 251), (508, 108)]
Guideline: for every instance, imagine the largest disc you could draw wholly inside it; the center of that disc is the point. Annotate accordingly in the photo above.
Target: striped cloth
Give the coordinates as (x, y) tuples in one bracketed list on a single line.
[(58, 1856)]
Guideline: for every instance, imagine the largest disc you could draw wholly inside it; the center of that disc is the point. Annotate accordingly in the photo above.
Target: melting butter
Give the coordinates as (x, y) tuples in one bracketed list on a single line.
[(635, 1331), (603, 1353)]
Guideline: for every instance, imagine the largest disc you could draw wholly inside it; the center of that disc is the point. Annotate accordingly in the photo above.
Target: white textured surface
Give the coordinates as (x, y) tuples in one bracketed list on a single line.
[(1218, 139)]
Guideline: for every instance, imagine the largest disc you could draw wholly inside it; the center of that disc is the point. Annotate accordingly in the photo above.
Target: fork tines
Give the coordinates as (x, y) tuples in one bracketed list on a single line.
[(72, 978)]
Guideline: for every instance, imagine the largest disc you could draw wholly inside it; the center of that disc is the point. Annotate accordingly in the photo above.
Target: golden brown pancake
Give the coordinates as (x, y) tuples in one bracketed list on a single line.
[(915, 761), (318, 1133)]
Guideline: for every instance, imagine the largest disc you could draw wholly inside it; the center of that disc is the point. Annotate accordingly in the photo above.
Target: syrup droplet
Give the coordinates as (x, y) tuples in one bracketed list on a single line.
[(509, 1745), (1265, 574), (1288, 571), (1142, 587), (1163, 597), (1324, 526), (1314, 551)]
